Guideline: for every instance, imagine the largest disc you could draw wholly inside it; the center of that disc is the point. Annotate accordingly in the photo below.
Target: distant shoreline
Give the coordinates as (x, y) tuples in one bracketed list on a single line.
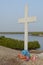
[(30, 33)]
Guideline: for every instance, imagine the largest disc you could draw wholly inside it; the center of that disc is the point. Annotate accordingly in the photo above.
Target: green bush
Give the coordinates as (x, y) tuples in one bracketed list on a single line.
[(2, 37), (18, 44), (33, 45)]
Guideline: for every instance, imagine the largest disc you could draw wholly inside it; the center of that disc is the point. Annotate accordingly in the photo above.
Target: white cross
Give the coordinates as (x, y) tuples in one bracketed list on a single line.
[(26, 20)]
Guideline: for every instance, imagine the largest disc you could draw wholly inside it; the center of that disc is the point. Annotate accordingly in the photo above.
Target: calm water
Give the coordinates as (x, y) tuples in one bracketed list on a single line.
[(21, 37)]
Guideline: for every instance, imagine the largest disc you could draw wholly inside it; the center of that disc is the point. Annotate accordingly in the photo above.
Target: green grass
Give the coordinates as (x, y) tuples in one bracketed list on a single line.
[(17, 44)]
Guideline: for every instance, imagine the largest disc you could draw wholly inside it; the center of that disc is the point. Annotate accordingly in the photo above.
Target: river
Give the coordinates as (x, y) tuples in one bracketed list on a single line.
[(21, 37)]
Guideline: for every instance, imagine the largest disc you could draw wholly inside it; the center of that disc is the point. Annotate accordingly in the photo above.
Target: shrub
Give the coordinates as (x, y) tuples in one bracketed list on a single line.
[(18, 44), (33, 45), (2, 37)]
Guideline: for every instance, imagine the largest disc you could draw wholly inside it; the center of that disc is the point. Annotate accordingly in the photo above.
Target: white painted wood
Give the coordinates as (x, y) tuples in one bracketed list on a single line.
[(26, 20), (26, 36), (26, 11)]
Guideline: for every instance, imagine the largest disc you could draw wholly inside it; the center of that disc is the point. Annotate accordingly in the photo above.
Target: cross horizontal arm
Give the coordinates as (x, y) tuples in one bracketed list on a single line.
[(21, 20), (32, 19), (28, 20)]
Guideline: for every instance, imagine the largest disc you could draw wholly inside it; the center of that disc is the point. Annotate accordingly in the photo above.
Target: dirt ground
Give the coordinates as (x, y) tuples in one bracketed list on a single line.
[(10, 57)]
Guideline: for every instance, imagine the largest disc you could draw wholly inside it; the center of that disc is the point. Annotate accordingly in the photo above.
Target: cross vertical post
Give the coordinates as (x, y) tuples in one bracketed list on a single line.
[(26, 36), (26, 30)]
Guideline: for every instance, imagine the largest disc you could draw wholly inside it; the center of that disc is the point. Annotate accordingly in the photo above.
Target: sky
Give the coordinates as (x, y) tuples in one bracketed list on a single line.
[(12, 10)]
